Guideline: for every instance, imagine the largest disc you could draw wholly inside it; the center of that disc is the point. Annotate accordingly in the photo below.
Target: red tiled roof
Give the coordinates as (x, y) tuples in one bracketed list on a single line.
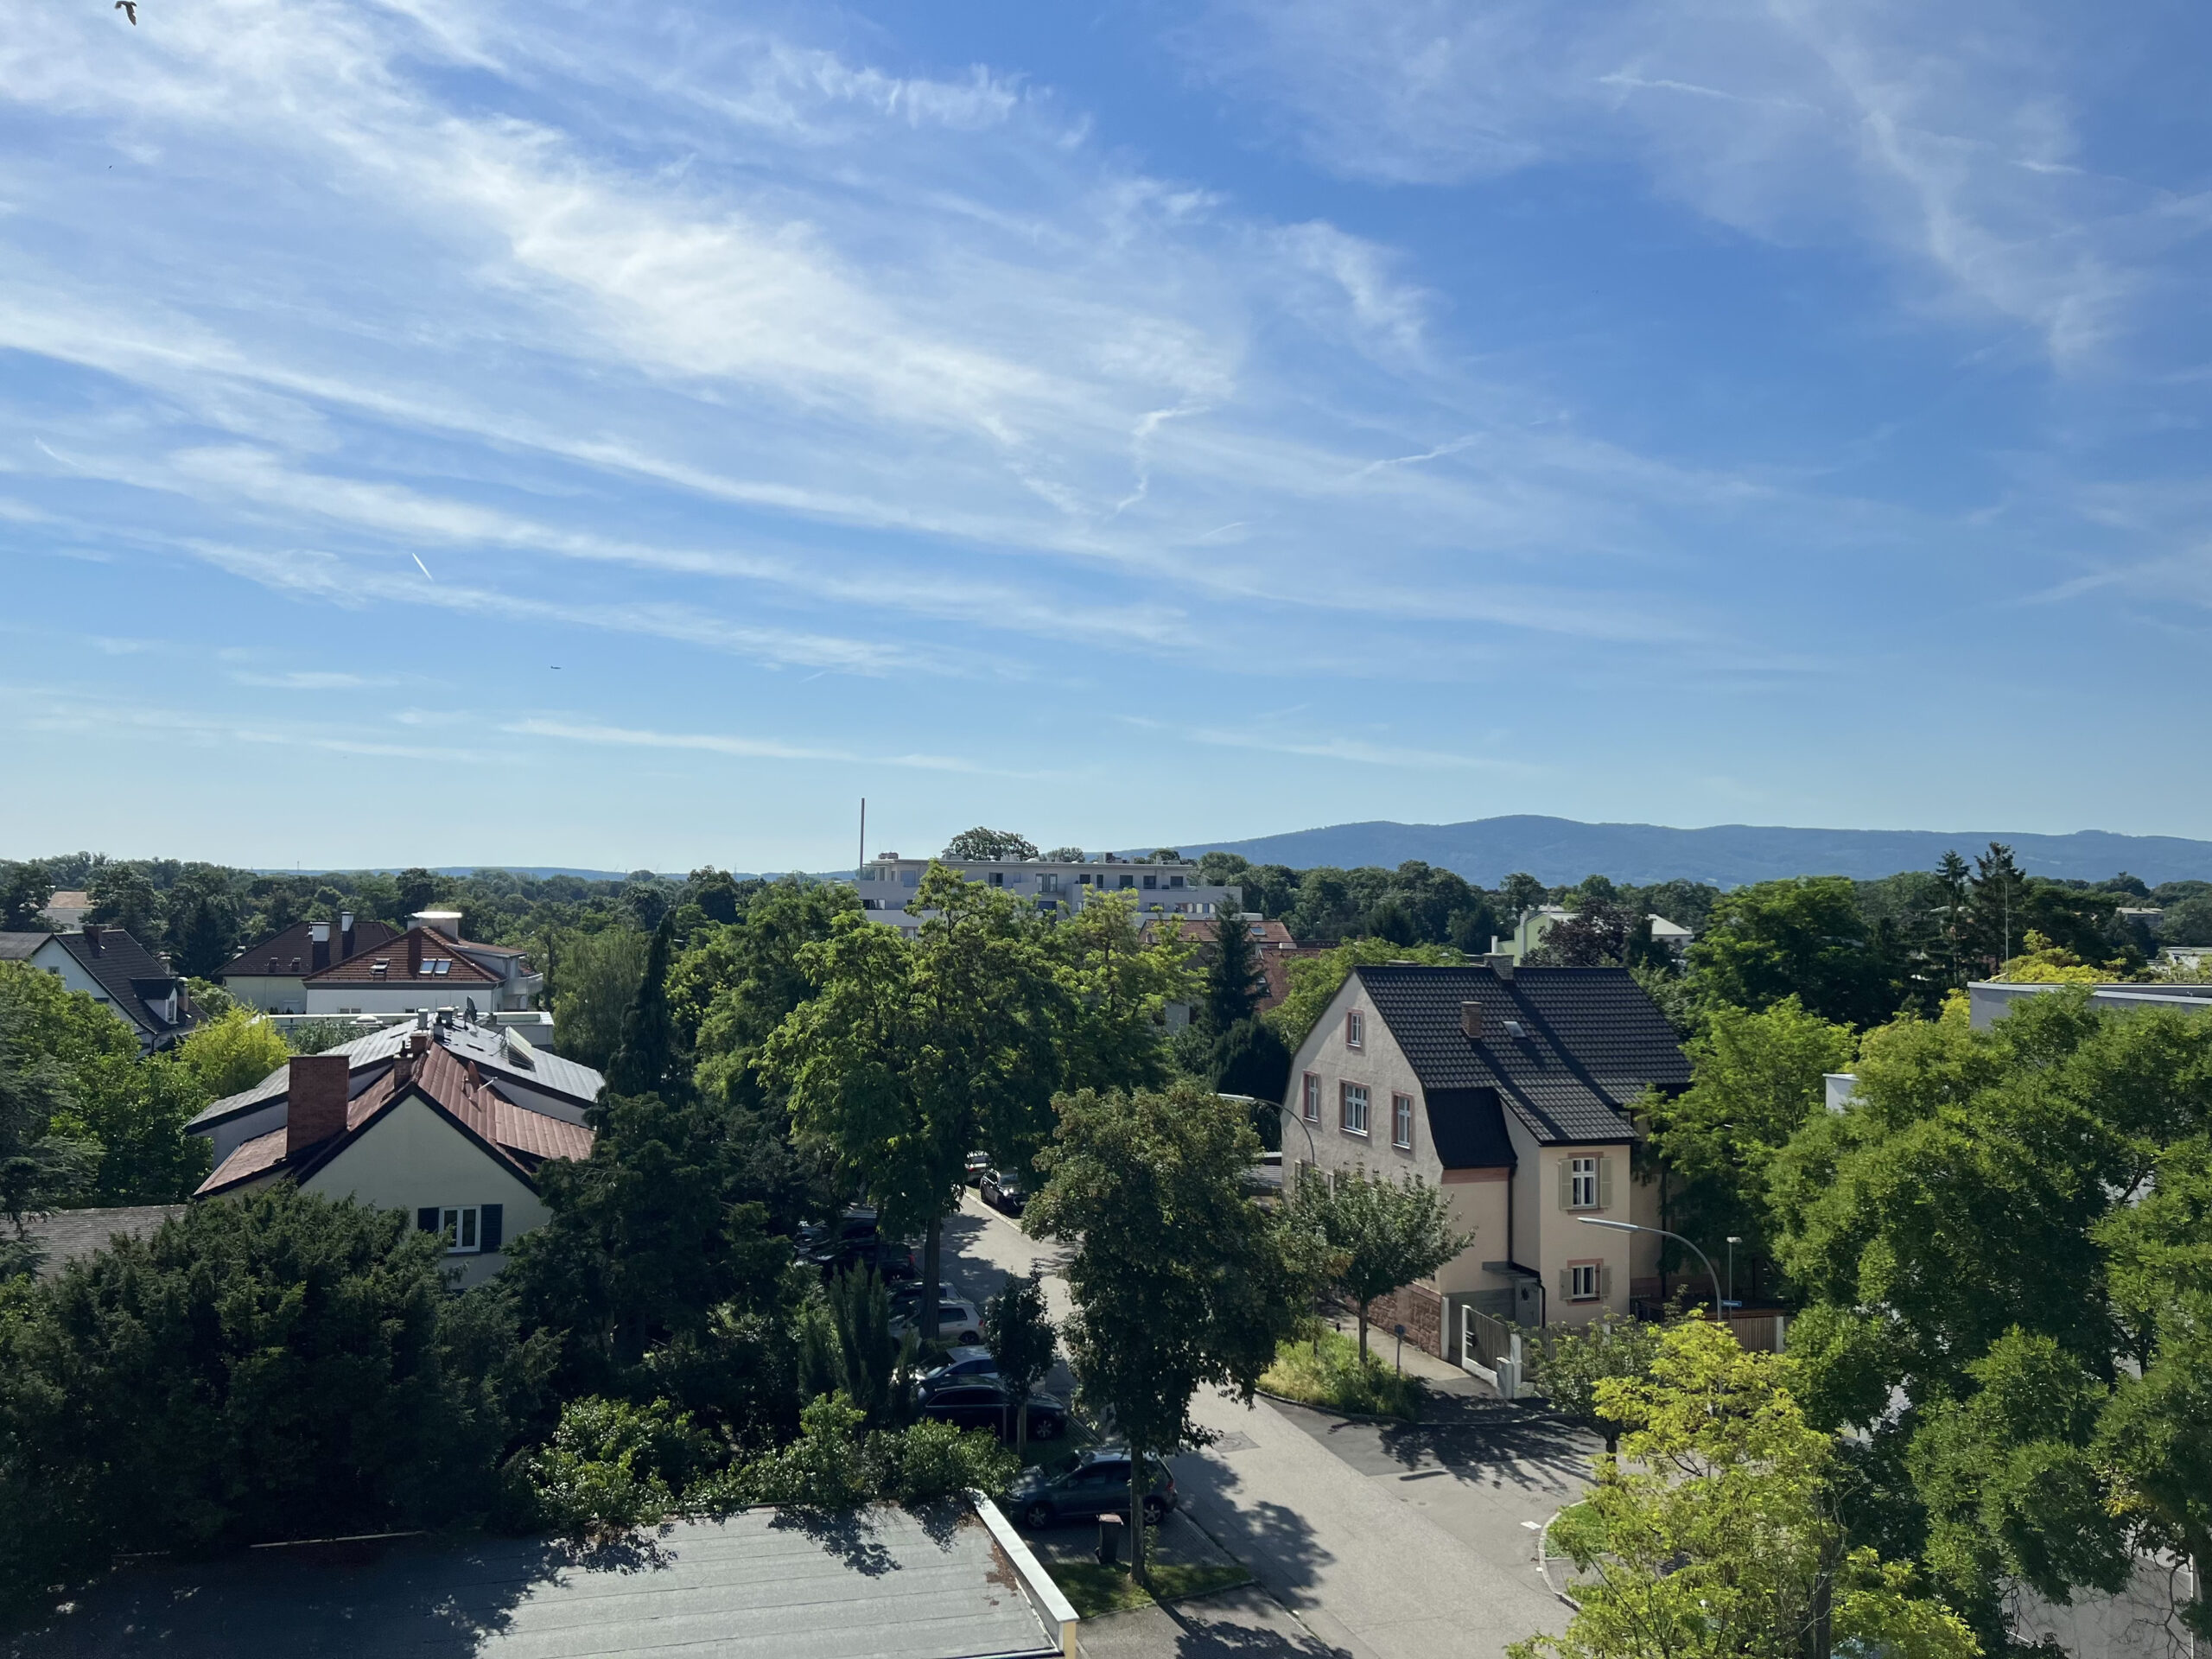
[(360, 968), (517, 1135)]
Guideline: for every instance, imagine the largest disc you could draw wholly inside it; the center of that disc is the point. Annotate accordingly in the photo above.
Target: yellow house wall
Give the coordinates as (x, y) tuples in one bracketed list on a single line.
[(411, 1159), (1547, 1237)]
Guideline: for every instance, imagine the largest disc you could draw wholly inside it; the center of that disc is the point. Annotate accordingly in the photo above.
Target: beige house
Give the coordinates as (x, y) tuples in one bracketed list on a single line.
[(428, 1132), (1511, 1088)]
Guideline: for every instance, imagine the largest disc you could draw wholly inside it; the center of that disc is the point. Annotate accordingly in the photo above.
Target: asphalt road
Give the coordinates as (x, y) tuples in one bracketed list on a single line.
[(1371, 1541)]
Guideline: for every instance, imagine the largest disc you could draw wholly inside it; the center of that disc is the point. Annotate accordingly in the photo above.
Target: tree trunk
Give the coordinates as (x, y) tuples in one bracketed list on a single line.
[(1137, 1484), (932, 1266), (1022, 1425), (1362, 1333)]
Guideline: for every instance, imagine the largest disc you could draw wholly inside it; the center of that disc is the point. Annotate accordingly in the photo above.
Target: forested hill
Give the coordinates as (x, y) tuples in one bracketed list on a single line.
[(1557, 851)]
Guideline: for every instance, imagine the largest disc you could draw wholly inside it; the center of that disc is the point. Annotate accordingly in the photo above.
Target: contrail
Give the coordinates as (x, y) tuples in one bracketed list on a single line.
[(419, 565)]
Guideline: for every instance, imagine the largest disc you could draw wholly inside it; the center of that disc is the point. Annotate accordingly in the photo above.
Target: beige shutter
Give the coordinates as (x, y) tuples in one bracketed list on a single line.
[(1604, 1183), (1605, 1285), (1566, 1284), (1567, 1183)]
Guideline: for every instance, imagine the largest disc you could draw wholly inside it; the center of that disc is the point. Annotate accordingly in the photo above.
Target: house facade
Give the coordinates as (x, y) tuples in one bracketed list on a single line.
[(888, 882), (1511, 1088), (131, 982), (423, 1129)]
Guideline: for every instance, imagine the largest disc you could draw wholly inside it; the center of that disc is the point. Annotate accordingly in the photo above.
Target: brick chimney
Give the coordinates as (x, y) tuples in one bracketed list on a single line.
[(315, 1107), (1471, 1021), (93, 937), (414, 953), (318, 946)]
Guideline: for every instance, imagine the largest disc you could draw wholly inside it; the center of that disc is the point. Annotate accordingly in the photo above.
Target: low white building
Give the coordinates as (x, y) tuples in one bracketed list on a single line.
[(888, 882), (1988, 1000)]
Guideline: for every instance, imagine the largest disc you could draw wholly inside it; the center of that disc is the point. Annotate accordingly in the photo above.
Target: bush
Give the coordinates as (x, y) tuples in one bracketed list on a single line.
[(1323, 1367), (610, 1465), (833, 1467), (264, 1368), (233, 1052)]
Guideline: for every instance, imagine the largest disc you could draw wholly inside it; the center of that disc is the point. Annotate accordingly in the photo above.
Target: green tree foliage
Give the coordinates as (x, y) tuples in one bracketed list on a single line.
[(123, 896), (1251, 1058), (1602, 933), (415, 891), (600, 974), (1315, 981), (1755, 1079), (2002, 1216), (1376, 1234), (2187, 922), (647, 1058), (202, 921), (268, 1367), (38, 1169), (1180, 1280), (846, 1347), (1116, 981), (610, 1465), (835, 1465), (981, 843), (1716, 1533), (1568, 1363), (1234, 979), (1023, 1340), (912, 1053), (729, 992), (24, 890), (233, 1053), (1805, 938)]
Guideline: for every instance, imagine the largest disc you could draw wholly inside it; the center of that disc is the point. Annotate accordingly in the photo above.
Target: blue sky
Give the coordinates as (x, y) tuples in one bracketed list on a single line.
[(456, 430)]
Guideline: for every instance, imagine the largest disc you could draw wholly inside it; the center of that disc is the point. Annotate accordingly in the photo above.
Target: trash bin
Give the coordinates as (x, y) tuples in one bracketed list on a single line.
[(1109, 1540)]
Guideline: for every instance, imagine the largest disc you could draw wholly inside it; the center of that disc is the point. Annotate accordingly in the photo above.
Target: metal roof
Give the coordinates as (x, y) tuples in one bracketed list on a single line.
[(880, 1585)]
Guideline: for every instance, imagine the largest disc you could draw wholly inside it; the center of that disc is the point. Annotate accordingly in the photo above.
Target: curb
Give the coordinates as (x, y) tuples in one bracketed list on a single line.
[(1331, 1411)]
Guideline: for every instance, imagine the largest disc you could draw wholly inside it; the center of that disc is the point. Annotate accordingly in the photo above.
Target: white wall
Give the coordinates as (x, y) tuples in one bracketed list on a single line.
[(71, 973), (403, 998)]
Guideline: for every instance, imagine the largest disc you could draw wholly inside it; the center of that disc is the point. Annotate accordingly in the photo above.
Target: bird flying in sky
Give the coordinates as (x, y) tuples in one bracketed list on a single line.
[(128, 8)]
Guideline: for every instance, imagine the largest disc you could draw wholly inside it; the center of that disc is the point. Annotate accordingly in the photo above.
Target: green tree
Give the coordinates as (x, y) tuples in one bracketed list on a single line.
[(1023, 1340), (233, 1053), (1569, 1364), (1804, 937), (123, 897), (1756, 1079), (981, 843), (1601, 933), (38, 1169), (647, 1059), (910, 1054), (1117, 984), (1519, 893), (1716, 1533), (203, 921), (1376, 1234), (600, 974), (1251, 1058), (1180, 1280), (847, 1347), (732, 991), (269, 1367), (1315, 981), (417, 891), (24, 890), (1235, 980)]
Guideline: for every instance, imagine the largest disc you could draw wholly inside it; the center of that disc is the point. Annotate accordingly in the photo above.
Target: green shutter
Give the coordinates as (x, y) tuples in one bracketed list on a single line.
[(488, 1219), (1604, 1183)]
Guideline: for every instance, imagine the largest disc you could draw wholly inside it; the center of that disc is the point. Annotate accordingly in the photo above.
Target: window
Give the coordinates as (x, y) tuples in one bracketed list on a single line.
[(910, 878), (1352, 1108), (1174, 880), (1312, 1101), (1128, 882), (1050, 881), (1402, 1121), (460, 1227), (1582, 1281), (1582, 1184), (998, 878), (1150, 883), (1354, 1029)]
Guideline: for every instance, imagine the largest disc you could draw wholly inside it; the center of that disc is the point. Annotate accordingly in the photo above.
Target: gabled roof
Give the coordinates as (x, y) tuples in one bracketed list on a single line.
[(501, 1053), (510, 1135), (1592, 1042), (127, 971), (360, 968), (17, 947), (293, 950)]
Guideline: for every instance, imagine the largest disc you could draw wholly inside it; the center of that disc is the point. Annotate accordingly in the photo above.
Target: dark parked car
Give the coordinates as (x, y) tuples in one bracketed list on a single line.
[(1083, 1484), (1002, 1190), (856, 1242), (962, 1362), (983, 1402)]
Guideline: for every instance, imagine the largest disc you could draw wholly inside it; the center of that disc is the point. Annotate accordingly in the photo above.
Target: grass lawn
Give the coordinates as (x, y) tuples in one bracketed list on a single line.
[(1332, 1378), (1094, 1589)]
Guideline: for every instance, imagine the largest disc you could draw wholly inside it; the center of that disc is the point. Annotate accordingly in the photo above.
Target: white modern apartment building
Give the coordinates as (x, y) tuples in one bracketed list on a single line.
[(887, 883)]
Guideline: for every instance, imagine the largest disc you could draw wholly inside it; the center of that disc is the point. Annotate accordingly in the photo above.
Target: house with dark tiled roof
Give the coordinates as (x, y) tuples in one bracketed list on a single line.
[(1514, 1089), (272, 976), (428, 1131), (429, 967), (115, 970)]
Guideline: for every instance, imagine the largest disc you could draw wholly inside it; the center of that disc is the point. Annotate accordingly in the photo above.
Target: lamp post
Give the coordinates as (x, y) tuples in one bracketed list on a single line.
[(1284, 1112), (1630, 1227), (1733, 1241)]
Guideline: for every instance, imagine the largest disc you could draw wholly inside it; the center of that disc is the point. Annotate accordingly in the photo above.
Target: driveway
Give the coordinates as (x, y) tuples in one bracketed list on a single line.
[(1372, 1542)]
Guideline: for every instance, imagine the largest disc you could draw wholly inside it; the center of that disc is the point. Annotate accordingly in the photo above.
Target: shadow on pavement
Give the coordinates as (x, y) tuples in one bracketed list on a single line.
[(1485, 1441)]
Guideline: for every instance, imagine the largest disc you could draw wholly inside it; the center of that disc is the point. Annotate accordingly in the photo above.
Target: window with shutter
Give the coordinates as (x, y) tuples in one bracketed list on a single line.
[(490, 1229)]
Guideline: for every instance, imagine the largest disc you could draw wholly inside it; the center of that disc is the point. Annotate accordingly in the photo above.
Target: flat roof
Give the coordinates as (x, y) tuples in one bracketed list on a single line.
[(758, 1585)]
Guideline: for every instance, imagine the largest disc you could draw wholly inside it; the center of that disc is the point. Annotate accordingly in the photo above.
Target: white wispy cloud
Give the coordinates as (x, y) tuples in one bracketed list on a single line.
[(743, 749)]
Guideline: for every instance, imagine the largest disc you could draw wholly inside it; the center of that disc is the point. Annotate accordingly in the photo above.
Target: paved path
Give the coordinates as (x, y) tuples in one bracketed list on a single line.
[(1372, 1542)]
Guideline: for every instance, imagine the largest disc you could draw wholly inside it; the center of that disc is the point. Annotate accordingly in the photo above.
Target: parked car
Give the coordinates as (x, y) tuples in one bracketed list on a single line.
[(985, 1402), (1005, 1191), (1083, 1484), (905, 1299), (977, 1163), (956, 1322), (961, 1364)]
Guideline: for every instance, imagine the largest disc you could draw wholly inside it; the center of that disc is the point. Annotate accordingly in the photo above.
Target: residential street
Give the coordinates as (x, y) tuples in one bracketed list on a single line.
[(1381, 1542)]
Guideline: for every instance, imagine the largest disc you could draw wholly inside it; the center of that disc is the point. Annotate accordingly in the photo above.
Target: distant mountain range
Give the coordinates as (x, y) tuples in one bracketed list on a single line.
[(1561, 850)]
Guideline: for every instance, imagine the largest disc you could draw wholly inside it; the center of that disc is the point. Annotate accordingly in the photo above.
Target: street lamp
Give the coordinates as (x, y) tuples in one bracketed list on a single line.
[(1630, 1227), (1733, 1241), (1284, 1112)]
